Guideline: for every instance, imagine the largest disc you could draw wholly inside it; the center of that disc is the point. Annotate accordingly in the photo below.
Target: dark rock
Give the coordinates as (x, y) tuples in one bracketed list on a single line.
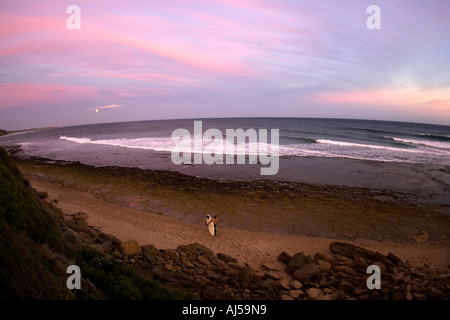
[(284, 257), (394, 258), (346, 286), (42, 194), (320, 256), (196, 249), (298, 261), (150, 250), (115, 241), (307, 272), (351, 251)]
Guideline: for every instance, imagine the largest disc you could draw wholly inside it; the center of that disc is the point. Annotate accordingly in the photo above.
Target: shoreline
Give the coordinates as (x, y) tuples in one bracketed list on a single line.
[(73, 192)]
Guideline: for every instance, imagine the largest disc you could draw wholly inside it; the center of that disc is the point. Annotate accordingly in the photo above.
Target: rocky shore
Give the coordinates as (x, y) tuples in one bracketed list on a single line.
[(340, 275)]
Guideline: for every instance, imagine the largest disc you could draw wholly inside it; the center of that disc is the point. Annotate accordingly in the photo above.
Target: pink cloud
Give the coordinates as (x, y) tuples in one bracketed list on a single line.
[(194, 59), (110, 106), (24, 94), (438, 104), (405, 100)]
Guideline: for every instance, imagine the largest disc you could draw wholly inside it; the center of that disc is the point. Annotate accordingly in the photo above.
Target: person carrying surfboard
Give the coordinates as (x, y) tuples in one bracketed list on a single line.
[(210, 224)]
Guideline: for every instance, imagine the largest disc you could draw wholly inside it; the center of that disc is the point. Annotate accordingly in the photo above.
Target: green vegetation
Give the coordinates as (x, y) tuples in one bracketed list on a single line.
[(120, 282), (36, 249), (3, 132)]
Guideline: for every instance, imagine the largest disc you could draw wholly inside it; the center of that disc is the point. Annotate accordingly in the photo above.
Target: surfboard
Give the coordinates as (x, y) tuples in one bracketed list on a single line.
[(211, 225)]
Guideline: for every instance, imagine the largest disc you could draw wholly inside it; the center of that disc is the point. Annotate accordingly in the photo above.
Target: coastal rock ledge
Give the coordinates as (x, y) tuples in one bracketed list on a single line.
[(340, 275)]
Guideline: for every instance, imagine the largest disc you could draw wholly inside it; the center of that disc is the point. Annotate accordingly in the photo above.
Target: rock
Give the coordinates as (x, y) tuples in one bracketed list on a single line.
[(211, 275), (358, 291), (115, 241), (196, 249), (295, 284), (314, 293), (226, 258), (397, 276), (325, 265), (168, 267), (351, 251), (320, 256), (268, 285), (96, 246), (186, 262), (130, 248), (150, 250), (298, 261), (331, 296), (246, 276), (327, 290), (107, 246), (409, 296), (272, 274), (284, 257), (346, 286), (419, 296), (294, 294), (203, 260), (394, 258), (285, 284), (80, 216), (42, 195), (117, 254), (307, 272)]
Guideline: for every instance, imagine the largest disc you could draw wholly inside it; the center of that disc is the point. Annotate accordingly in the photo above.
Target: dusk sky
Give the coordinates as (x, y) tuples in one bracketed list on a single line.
[(144, 60)]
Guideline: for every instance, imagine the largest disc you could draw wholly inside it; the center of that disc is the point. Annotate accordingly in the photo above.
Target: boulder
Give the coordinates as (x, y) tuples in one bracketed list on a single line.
[(325, 265), (196, 249), (351, 251), (314, 293), (394, 258), (294, 294), (307, 272), (42, 195), (150, 250), (284, 257), (295, 284), (203, 260), (298, 261), (130, 248)]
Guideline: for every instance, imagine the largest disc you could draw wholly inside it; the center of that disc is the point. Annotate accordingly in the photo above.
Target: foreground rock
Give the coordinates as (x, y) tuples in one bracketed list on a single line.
[(341, 275), (344, 276)]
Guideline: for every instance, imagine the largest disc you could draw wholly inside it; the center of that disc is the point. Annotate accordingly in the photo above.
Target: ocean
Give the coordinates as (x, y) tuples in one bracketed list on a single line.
[(147, 144), (411, 158)]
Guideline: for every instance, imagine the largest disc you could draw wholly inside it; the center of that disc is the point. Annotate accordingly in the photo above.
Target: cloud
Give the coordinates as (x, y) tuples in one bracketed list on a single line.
[(438, 104), (110, 106)]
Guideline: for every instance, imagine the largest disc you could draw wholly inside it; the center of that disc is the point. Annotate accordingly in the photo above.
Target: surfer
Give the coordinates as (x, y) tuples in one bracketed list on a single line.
[(215, 220)]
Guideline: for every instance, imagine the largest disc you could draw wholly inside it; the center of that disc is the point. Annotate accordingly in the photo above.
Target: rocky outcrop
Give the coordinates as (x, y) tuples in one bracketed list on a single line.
[(344, 276), (340, 275)]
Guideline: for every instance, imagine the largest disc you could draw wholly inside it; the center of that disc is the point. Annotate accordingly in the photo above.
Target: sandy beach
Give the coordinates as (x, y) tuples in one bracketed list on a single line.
[(134, 219)]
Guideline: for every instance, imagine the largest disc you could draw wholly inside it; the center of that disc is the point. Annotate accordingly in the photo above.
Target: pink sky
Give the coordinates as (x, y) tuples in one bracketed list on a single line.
[(172, 59)]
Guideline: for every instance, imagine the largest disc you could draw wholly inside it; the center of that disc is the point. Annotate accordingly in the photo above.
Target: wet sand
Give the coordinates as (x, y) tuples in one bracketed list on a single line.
[(259, 219)]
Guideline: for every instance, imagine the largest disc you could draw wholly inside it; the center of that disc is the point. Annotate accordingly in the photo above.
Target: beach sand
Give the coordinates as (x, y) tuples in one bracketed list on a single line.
[(156, 214)]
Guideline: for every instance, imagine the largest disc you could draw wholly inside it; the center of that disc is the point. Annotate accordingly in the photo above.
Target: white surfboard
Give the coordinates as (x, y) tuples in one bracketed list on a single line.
[(210, 225)]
